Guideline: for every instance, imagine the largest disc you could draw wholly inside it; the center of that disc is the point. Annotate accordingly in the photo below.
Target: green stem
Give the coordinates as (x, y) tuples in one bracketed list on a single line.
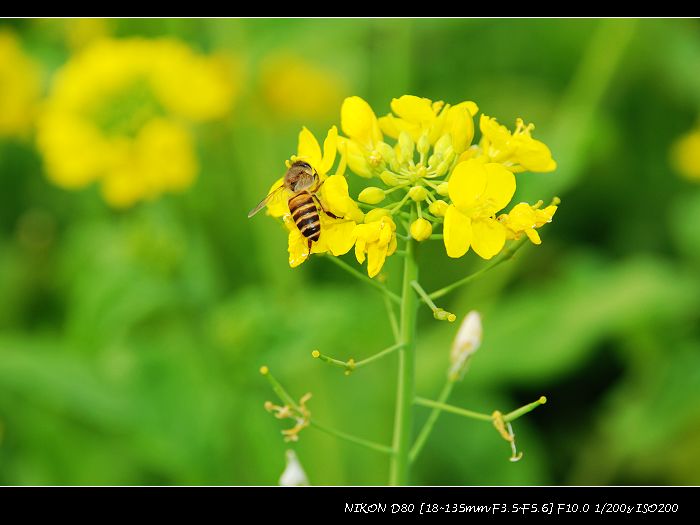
[(510, 416), (375, 284), (279, 389), (392, 317), (350, 364), (405, 391), (352, 439), (425, 432), (515, 414), (505, 256), (438, 313), (379, 355), (449, 408)]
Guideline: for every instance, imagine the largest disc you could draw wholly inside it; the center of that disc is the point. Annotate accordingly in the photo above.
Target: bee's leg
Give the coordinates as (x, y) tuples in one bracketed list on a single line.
[(310, 242), (331, 215)]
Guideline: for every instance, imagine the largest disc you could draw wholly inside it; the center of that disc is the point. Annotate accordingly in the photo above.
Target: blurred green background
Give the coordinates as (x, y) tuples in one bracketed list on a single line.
[(130, 339)]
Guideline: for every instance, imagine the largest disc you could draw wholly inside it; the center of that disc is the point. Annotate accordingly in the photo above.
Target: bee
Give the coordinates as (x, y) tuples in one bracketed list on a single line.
[(303, 182)]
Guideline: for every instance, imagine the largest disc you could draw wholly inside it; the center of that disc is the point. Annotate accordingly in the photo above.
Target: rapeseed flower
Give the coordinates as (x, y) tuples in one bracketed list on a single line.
[(20, 87), (120, 113), (337, 234)]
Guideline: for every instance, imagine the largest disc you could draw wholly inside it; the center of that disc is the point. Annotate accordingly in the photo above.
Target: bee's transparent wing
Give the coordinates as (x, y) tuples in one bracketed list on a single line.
[(273, 196)]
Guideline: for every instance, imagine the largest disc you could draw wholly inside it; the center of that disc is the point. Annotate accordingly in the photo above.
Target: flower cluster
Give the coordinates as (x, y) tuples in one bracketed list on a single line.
[(20, 87), (120, 113), (427, 175)]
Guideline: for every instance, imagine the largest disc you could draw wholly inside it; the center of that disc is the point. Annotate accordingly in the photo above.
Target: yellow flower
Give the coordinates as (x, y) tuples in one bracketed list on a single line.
[(376, 240), (337, 235), (309, 150), (685, 155), (418, 116), (20, 87), (364, 148), (524, 218), (478, 191), (517, 151), (295, 88), (118, 113)]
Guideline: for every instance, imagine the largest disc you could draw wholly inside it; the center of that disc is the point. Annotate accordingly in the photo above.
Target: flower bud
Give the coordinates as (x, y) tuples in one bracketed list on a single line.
[(441, 145), (444, 315), (438, 208), (443, 189), (466, 343), (421, 229), (406, 145), (423, 145), (359, 165), (418, 193), (386, 151), (293, 475), (376, 214), (389, 178), (371, 195)]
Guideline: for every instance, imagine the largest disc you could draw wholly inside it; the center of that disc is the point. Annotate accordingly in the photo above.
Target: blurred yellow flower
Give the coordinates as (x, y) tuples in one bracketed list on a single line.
[(376, 240), (295, 88), (478, 191), (81, 32), (120, 111), (20, 87), (517, 151), (685, 155), (525, 218)]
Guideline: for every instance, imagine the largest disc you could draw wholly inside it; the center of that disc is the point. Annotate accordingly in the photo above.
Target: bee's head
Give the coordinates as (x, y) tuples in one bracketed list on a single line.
[(300, 176)]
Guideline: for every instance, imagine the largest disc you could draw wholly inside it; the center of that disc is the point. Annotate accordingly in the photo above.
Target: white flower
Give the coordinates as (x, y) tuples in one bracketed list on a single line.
[(293, 475), (466, 343)]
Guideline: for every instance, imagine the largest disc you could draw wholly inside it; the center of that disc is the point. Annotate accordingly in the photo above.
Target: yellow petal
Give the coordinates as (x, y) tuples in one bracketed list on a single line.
[(489, 236), (360, 245), (355, 158), (334, 195), (308, 149), (277, 205), (460, 125), (533, 236), (500, 187), (393, 127), (467, 183), (413, 109), (339, 235), (493, 131), (376, 255), (534, 155), (359, 122), (298, 248), (457, 232), (330, 147)]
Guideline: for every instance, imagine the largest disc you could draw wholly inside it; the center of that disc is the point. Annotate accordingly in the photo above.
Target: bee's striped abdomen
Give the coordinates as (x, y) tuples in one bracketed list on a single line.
[(305, 215)]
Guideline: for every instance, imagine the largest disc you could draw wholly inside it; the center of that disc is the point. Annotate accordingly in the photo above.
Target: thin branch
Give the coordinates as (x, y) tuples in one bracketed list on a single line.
[(424, 433), (453, 409), (505, 256), (439, 313), (375, 284), (352, 439)]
